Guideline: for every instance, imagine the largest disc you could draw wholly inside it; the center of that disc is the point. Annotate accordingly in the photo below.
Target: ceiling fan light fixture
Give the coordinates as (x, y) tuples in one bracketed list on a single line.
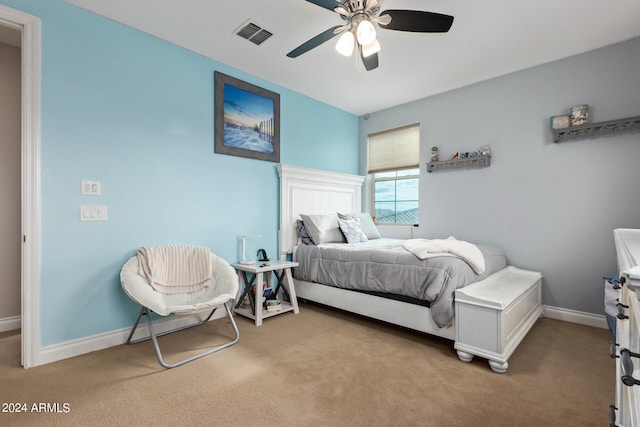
[(365, 33), (345, 44), (360, 18), (371, 48)]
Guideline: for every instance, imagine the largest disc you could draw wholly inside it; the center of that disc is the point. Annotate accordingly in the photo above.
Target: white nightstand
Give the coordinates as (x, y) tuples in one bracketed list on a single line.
[(254, 274)]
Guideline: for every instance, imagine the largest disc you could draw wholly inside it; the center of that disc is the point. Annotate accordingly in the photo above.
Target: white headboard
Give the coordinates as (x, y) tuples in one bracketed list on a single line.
[(313, 191)]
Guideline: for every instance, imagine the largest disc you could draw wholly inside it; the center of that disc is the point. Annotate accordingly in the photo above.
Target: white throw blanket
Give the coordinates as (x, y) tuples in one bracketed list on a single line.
[(424, 248), (175, 269)]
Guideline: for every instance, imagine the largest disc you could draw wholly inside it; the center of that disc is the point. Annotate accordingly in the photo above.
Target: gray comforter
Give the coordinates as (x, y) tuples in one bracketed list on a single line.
[(383, 265)]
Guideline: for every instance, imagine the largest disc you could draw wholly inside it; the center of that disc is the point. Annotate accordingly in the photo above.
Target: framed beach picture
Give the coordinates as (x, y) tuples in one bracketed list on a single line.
[(246, 119)]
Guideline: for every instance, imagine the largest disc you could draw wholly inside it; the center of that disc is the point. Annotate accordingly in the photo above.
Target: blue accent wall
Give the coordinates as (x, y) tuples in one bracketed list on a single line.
[(136, 113)]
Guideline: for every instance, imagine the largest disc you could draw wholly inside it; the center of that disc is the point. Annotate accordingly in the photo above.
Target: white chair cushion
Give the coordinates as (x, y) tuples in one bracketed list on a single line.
[(223, 287)]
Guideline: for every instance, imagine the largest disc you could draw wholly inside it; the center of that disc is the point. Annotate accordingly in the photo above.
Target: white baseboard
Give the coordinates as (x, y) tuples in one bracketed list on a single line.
[(589, 319), (73, 348), (10, 323), (97, 342)]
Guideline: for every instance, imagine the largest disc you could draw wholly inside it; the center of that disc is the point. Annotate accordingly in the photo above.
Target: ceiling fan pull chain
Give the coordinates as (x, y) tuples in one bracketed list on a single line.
[(359, 64)]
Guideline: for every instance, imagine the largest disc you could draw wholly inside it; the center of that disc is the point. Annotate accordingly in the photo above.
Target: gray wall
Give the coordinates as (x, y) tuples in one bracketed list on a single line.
[(552, 207)]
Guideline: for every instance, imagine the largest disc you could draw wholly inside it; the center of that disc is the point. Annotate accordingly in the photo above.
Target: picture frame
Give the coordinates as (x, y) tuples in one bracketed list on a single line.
[(246, 119)]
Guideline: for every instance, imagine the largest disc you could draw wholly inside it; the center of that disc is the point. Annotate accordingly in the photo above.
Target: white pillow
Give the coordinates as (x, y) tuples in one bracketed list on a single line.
[(323, 228), (366, 224), (351, 230)]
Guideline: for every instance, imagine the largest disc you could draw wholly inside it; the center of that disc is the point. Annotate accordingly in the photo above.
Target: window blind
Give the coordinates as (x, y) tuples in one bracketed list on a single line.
[(395, 149)]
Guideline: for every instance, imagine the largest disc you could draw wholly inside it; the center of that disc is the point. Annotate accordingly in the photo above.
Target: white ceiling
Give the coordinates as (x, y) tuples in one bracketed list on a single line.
[(488, 38)]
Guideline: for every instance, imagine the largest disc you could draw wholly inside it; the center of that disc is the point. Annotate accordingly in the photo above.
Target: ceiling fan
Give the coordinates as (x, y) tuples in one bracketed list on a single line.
[(358, 31)]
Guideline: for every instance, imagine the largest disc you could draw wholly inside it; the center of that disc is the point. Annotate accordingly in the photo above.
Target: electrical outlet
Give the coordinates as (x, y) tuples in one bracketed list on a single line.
[(90, 188)]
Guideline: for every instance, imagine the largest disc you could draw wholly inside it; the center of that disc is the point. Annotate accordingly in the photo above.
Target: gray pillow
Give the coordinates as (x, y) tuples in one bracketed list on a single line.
[(366, 224), (323, 228)]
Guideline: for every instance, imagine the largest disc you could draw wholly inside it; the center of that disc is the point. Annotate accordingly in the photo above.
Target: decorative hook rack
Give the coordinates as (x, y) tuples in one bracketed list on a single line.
[(596, 129), (466, 163)]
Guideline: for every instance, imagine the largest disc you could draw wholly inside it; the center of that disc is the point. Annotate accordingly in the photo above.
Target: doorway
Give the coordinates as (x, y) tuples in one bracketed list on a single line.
[(29, 28), (10, 178)]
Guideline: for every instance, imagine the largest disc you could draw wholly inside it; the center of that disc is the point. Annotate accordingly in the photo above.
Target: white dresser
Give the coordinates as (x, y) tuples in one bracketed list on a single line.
[(626, 411)]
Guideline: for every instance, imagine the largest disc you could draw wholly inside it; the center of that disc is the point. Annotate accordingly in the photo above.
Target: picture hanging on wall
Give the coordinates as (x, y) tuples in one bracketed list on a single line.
[(246, 119)]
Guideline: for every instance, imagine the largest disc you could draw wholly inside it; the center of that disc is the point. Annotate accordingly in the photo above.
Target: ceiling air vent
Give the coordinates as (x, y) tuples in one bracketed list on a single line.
[(253, 32)]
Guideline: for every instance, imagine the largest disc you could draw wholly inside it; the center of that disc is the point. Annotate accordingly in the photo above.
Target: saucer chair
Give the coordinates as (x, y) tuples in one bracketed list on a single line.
[(221, 291)]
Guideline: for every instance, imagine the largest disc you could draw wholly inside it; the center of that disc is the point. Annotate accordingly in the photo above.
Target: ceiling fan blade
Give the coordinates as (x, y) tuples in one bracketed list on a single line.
[(316, 41), (417, 21), (370, 62), (327, 4)]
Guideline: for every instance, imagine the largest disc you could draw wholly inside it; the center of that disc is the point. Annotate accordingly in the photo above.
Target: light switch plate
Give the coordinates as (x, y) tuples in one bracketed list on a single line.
[(90, 188), (93, 213)]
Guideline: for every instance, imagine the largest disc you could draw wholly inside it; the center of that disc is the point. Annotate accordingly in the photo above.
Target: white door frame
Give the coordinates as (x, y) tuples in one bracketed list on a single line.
[(29, 25)]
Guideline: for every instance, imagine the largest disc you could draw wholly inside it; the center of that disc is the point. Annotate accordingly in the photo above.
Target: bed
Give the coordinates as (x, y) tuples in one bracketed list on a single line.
[(313, 195)]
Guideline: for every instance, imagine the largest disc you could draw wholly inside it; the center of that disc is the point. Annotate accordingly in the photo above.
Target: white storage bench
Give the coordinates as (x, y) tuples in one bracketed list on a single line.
[(494, 315)]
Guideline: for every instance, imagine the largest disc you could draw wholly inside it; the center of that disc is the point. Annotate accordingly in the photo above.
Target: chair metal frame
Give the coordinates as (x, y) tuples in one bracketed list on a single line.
[(144, 311)]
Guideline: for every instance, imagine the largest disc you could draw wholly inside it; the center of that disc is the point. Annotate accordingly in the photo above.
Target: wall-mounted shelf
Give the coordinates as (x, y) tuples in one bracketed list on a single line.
[(466, 163), (596, 129)]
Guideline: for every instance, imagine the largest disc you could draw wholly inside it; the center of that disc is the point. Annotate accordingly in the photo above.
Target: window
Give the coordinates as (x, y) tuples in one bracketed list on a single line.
[(394, 166), (395, 196)]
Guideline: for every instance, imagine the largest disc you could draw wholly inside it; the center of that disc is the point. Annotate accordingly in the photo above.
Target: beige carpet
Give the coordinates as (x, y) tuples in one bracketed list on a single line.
[(319, 368)]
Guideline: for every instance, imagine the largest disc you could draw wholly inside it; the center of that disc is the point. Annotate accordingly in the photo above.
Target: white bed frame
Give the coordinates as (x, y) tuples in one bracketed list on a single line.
[(312, 191)]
